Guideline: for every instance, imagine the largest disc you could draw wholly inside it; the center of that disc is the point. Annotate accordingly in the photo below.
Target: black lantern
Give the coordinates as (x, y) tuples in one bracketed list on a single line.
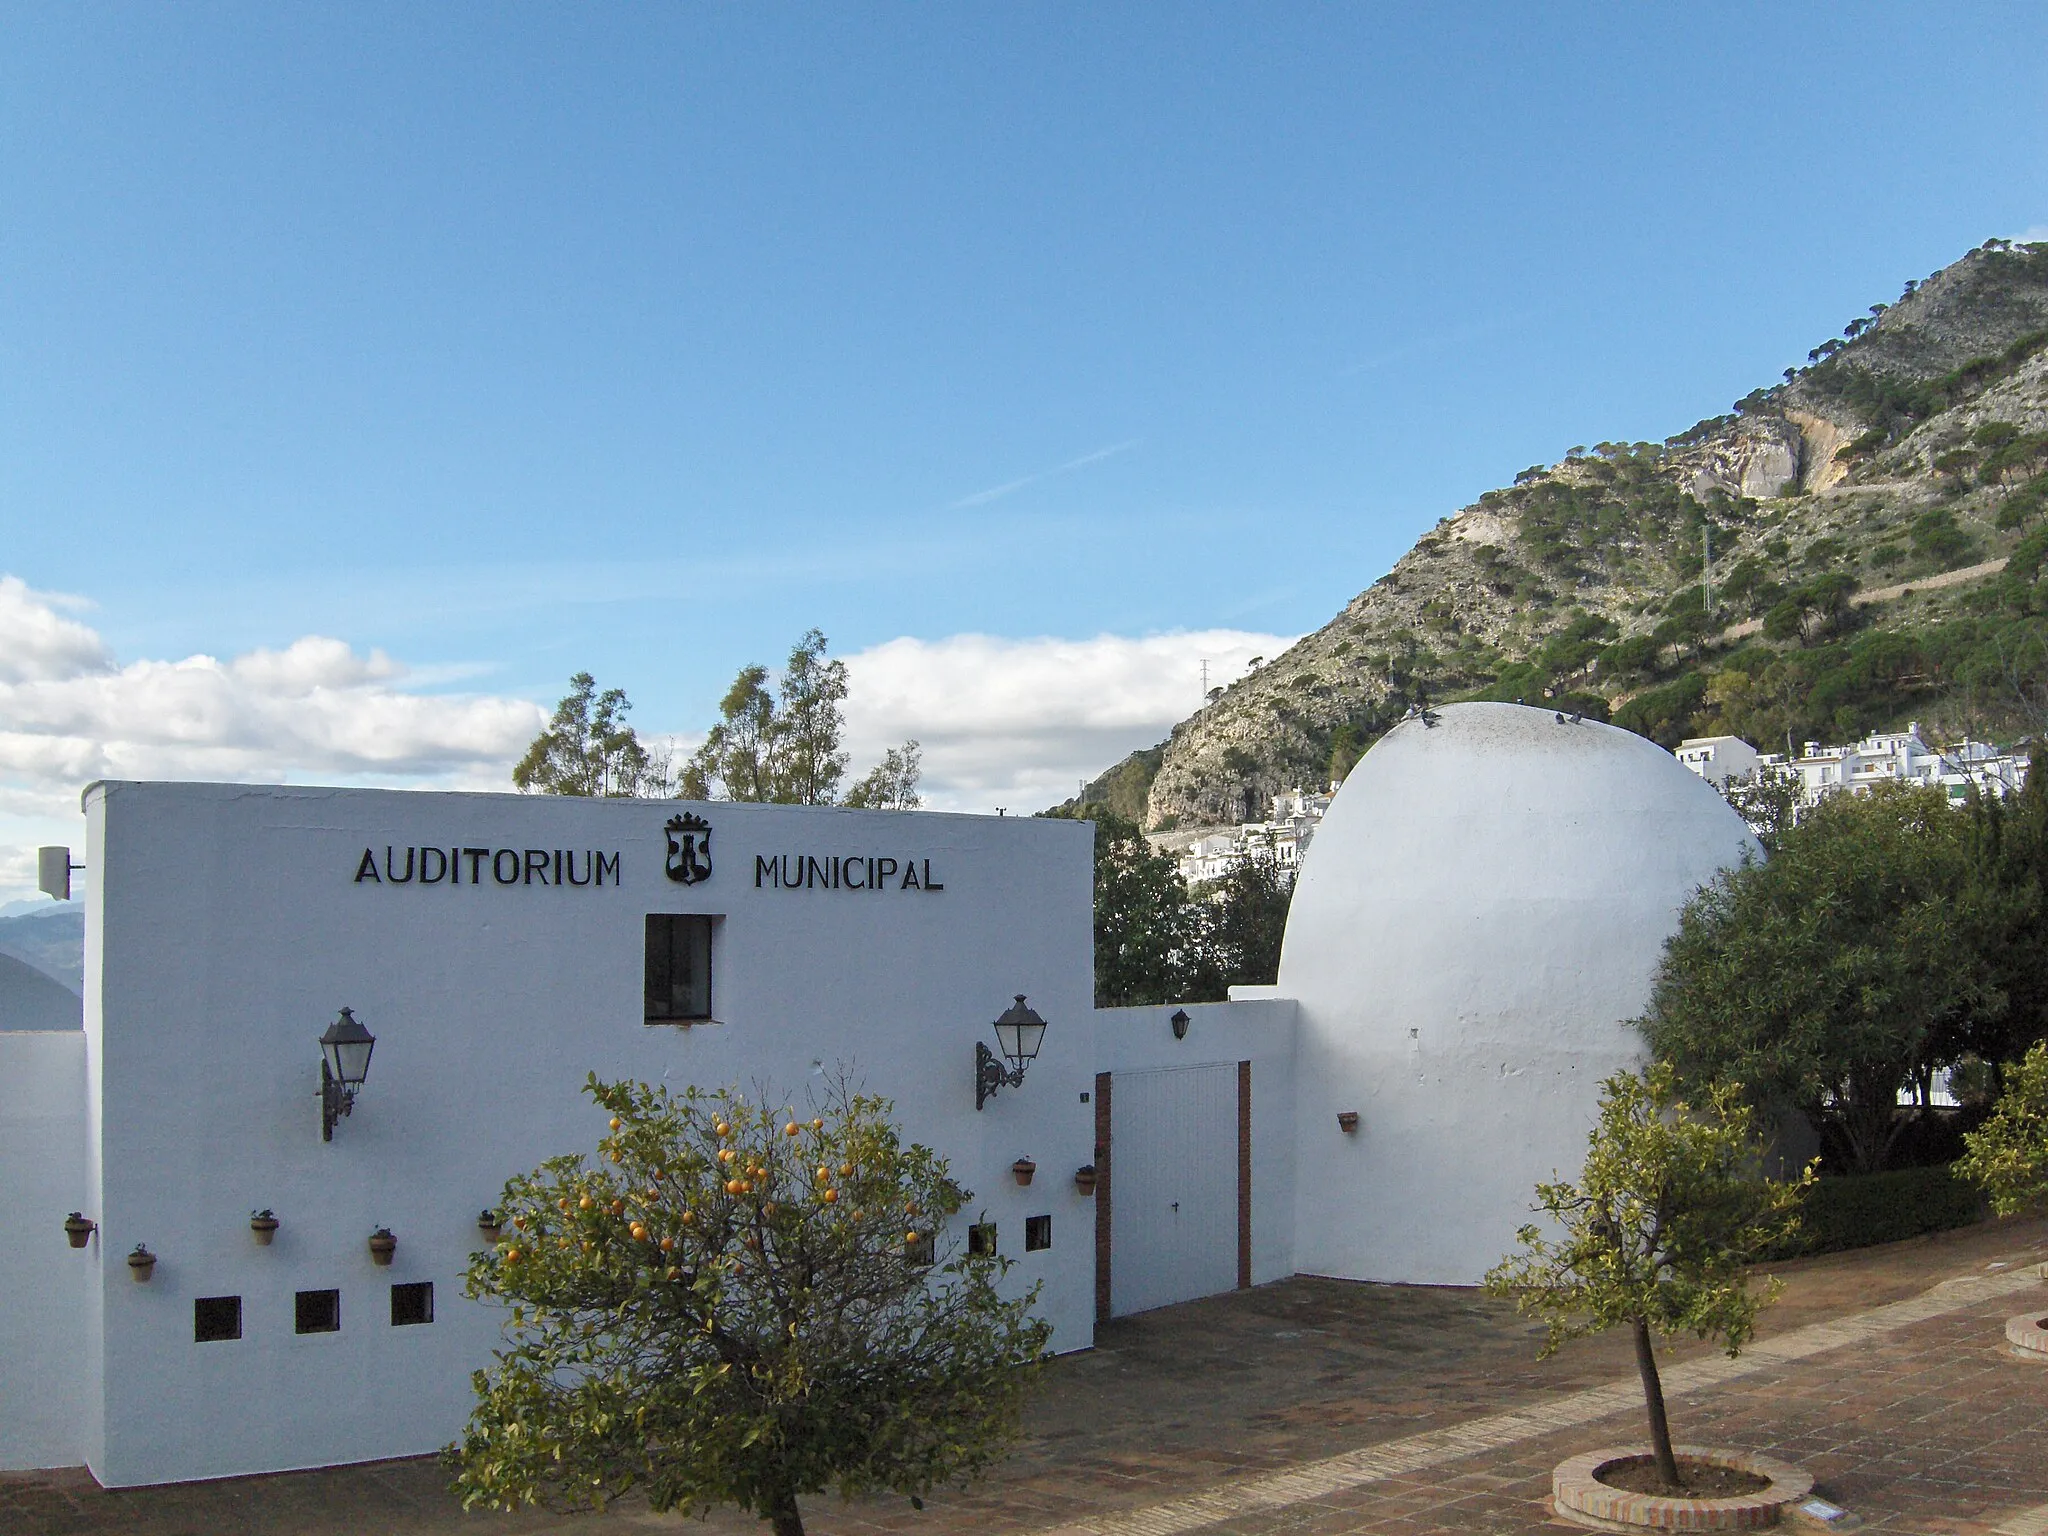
[(1019, 1032), (344, 1063), (1179, 1021)]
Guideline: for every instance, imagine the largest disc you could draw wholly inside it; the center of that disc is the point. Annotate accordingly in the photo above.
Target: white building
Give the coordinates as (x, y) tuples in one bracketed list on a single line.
[(1717, 759), (1884, 757), (1480, 917), (1283, 837)]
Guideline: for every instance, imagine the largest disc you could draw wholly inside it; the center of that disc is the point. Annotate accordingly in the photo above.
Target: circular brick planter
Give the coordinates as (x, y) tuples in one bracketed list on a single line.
[(1581, 1497), (2029, 1340)]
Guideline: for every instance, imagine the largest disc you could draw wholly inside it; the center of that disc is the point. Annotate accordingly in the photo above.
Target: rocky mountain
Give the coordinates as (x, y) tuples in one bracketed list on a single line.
[(1853, 546)]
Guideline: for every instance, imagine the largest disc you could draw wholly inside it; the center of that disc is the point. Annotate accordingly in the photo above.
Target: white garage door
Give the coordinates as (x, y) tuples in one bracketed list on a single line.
[(1173, 1214)]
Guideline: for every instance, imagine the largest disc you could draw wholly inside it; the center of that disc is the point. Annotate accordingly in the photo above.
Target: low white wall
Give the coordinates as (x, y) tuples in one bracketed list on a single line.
[(44, 1374), (1261, 1031)]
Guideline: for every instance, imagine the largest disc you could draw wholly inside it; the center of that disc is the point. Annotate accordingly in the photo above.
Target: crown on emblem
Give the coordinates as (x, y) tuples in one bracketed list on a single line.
[(688, 822)]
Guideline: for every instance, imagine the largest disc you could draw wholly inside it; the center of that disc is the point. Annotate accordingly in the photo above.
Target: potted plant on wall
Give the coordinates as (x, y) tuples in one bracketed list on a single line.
[(141, 1264), (382, 1246), (1023, 1169), (77, 1229), (263, 1225), (490, 1223), (1084, 1178)]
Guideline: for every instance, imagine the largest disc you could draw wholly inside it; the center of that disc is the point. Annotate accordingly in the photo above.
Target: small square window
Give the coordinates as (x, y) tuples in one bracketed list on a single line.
[(678, 968), (981, 1239), (215, 1318), (413, 1303), (1037, 1233), (921, 1252), (318, 1312)]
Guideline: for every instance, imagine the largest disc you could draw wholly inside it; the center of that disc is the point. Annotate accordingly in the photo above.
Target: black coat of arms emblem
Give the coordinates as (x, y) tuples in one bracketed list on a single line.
[(689, 849)]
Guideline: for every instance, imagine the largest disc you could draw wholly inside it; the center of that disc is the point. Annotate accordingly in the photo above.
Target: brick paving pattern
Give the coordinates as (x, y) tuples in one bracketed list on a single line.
[(1916, 1418)]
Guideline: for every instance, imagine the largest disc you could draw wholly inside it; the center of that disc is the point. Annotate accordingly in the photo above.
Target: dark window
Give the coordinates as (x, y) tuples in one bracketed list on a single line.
[(318, 1312), (678, 968), (1037, 1233), (981, 1238), (215, 1318), (412, 1303), (921, 1252)]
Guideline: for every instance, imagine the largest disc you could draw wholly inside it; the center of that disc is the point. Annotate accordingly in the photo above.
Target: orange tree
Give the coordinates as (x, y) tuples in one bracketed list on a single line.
[(1668, 1210), (737, 1305)]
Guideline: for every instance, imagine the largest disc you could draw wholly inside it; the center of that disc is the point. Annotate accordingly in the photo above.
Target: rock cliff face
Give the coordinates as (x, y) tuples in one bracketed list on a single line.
[(1584, 583)]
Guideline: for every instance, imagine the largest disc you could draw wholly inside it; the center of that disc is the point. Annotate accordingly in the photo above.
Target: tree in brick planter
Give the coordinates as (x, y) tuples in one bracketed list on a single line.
[(1656, 1234), (740, 1306)]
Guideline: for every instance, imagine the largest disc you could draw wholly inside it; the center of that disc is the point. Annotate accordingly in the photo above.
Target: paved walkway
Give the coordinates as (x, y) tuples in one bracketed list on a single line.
[(1318, 1407)]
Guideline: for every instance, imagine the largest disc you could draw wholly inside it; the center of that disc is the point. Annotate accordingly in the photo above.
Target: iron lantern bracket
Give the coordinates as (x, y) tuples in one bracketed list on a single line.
[(336, 1100), (990, 1074)]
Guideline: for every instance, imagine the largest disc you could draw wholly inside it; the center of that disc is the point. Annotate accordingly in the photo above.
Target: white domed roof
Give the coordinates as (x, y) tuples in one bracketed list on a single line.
[(1479, 916)]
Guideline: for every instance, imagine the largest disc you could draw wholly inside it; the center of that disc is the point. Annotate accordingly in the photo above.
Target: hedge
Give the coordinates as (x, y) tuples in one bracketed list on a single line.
[(1858, 1210)]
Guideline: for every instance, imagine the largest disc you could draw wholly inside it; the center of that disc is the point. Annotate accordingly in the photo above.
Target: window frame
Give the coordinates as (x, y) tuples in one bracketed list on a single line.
[(669, 923)]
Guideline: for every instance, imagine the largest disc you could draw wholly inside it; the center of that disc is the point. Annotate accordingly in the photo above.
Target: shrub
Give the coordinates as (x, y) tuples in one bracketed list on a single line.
[(1859, 1210)]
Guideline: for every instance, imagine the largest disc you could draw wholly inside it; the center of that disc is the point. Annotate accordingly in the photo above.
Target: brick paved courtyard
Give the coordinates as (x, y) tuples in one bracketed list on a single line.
[(1321, 1407)]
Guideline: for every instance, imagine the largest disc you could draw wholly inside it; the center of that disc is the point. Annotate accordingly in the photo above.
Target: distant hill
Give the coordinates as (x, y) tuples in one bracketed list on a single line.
[(31, 1000), (1912, 446), (50, 938)]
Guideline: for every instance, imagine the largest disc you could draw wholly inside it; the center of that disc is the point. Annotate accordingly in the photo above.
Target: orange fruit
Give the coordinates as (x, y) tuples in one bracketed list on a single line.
[(831, 1197), (790, 1129), (585, 1203), (817, 1125), (736, 1187), (668, 1245), (722, 1129), (846, 1170), (615, 1122)]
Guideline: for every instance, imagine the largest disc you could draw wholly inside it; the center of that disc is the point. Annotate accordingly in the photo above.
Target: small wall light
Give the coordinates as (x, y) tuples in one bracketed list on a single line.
[(1179, 1021), (141, 1265), (77, 1230), (344, 1063), (1019, 1032), (1347, 1121)]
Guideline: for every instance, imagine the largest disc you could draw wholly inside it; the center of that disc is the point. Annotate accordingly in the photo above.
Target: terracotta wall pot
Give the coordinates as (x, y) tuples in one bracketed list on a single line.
[(77, 1229), (141, 1264), (382, 1246), (1347, 1122), (1084, 1178), (1023, 1168), (262, 1227), (490, 1223)]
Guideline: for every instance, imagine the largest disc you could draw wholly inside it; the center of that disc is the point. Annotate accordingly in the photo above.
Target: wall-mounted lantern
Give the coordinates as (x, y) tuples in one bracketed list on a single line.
[(141, 1265), (1019, 1032), (1179, 1021), (344, 1063), (78, 1230)]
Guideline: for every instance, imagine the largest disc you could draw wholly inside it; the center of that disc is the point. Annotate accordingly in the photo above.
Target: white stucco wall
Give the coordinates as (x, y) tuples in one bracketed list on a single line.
[(1133, 1040), (1481, 913), (229, 930), (43, 1380)]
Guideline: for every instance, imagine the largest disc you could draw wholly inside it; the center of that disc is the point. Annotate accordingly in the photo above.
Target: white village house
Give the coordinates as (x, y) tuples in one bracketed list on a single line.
[(1483, 908), (1884, 757), (1207, 854)]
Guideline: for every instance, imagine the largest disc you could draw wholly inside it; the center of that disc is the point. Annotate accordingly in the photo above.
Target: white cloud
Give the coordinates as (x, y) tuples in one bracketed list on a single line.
[(1014, 723), (1018, 723), (2032, 235), (69, 714)]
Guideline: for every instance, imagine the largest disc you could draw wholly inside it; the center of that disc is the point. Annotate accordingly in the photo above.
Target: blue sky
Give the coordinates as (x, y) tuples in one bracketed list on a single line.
[(509, 341)]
